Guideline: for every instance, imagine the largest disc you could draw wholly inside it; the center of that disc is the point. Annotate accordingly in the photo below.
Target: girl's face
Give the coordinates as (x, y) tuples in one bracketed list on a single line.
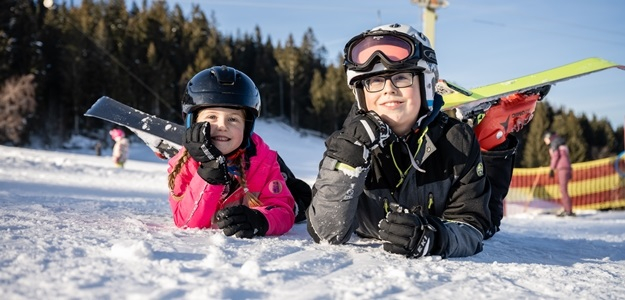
[(227, 127)]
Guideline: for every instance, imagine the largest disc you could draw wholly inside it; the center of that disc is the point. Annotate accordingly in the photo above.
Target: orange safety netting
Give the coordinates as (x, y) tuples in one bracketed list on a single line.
[(595, 185)]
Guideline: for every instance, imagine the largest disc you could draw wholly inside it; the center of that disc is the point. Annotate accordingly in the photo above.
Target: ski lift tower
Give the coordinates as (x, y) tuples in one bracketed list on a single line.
[(429, 15)]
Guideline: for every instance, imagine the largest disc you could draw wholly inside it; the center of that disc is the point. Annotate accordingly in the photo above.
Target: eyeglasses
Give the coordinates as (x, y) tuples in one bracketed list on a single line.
[(399, 80), (392, 47)]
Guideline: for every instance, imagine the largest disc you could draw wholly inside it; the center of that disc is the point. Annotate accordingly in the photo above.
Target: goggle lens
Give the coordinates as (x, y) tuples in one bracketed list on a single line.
[(394, 48)]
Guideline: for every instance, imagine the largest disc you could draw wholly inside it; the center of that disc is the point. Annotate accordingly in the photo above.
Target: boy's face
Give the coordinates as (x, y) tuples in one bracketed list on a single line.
[(227, 127), (398, 107)]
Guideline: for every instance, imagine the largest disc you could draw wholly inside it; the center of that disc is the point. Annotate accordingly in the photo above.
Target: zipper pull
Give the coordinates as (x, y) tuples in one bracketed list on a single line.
[(430, 201)]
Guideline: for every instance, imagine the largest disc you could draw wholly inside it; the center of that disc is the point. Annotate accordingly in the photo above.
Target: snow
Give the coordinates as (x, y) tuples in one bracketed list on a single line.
[(75, 227)]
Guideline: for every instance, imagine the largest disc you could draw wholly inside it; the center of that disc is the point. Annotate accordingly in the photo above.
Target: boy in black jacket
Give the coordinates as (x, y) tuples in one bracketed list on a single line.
[(401, 171)]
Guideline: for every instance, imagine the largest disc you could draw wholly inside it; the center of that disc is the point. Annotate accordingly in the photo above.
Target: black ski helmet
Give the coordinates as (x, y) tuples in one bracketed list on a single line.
[(222, 86)]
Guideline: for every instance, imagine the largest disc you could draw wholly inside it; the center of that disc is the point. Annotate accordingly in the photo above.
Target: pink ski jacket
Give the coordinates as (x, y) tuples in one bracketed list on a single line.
[(194, 202), (560, 158), (120, 150)]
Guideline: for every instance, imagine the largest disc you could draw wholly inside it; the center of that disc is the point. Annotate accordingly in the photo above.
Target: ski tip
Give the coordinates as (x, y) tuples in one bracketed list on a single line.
[(444, 87)]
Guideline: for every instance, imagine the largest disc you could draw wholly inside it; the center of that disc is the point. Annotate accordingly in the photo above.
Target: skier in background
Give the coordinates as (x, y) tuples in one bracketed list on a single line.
[(560, 163), (120, 149), (98, 148)]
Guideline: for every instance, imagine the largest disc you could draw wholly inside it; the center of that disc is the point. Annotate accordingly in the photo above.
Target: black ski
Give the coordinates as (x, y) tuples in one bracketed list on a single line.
[(162, 136)]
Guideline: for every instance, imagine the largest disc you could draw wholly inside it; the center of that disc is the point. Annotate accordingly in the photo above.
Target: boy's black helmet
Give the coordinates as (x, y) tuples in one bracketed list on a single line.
[(221, 86)]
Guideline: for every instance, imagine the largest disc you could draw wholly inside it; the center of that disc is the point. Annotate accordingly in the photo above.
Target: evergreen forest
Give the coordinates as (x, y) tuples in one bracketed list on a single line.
[(56, 62)]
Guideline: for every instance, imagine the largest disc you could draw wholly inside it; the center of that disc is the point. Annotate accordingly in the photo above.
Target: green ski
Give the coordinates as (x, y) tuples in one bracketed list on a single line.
[(456, 96)]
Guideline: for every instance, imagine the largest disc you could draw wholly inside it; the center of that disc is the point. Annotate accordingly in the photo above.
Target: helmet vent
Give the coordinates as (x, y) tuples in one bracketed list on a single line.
[(226, 76)]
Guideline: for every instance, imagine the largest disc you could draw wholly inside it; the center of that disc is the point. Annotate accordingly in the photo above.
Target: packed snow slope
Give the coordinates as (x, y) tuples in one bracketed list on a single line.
[(75, 227)]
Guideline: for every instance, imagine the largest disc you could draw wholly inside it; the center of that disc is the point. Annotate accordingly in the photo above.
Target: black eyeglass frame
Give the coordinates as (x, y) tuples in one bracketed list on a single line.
[(366, 82)]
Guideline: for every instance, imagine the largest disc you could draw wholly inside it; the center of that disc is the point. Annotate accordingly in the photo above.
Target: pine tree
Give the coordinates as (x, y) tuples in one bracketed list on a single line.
[(535, 152), (265, 74), (17, 103), (19, 36), (331, 103), (290, 70)]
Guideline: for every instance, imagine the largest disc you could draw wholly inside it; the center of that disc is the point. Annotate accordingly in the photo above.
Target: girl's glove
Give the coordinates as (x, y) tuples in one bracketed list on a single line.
[(215, 171), (412, 234), (353, 145), (197, 141), (242, 221)]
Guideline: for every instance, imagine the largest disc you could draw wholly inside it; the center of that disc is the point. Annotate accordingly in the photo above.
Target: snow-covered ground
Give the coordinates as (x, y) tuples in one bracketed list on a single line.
[(72, 226)]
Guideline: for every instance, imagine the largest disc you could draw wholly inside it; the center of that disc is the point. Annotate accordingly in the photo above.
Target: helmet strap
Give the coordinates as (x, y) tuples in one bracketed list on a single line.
[(189, 120), (247, 131), (360, 96), (425, 108)]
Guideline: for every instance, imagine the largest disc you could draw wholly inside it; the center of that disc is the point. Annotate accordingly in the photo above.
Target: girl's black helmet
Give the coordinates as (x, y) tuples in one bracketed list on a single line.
[(220, 86)]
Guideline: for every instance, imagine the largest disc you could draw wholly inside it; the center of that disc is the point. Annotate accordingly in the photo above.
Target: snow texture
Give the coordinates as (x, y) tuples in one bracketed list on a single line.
[(75, 227)]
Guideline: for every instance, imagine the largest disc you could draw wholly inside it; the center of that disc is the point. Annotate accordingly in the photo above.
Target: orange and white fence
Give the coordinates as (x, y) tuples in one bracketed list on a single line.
[(596, 185)]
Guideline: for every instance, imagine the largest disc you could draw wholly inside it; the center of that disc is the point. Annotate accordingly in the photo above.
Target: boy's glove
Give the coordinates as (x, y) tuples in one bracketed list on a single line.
[(364, 133), (242, 221), (412, 234), (551, 173), (197, 141)]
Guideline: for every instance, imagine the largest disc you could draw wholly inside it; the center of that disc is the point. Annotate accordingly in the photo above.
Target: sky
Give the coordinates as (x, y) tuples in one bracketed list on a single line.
[(72, 226), (478, 42)]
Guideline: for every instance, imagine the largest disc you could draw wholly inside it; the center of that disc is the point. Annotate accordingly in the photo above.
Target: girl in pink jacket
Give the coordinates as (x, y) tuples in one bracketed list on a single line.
[(560, 162), (225, 176), (120, 149)]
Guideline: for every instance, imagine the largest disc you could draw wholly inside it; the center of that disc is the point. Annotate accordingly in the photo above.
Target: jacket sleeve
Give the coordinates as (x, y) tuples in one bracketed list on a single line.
[(277, 202), (467, 212), (555, 156), (332, 213), (461, 240), (193, 201), (331, 216), (498, 165)]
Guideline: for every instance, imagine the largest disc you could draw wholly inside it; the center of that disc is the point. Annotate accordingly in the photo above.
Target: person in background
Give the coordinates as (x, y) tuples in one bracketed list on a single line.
[(98, 148), (560, 163), (121, 147), (400, 170), (226, 176)]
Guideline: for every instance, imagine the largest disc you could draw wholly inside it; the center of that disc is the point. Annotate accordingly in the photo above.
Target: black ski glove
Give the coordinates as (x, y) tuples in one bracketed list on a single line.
[(412, 234), (302, 194), (354, 143), (197, 141), (551, 173), (489, 233), (242, 221)]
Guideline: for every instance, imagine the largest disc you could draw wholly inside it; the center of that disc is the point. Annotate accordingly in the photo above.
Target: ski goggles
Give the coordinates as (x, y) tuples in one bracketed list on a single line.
[(391, 48)]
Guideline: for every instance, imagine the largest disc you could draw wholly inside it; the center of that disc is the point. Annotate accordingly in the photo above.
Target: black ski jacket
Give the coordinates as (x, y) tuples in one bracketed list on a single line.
[(449, 183)]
